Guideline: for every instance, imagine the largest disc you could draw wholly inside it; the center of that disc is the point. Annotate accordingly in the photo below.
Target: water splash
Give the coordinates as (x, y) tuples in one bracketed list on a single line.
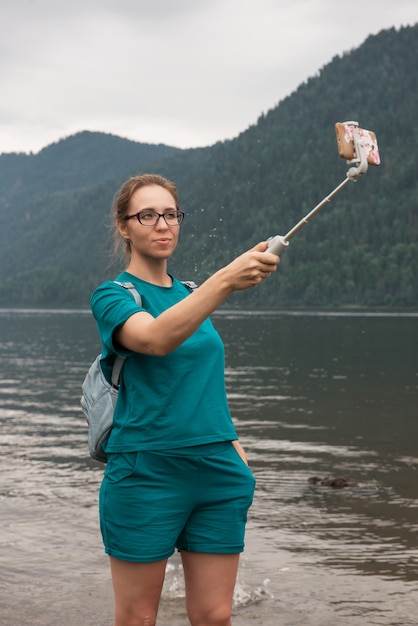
[(245, 596)]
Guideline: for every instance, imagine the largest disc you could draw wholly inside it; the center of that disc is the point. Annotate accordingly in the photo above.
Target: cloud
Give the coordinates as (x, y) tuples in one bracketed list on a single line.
[(180, 72)]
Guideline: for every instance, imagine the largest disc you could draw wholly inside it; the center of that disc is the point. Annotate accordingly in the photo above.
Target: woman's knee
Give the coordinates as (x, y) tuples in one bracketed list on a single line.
[(128, 618), (219, 615)]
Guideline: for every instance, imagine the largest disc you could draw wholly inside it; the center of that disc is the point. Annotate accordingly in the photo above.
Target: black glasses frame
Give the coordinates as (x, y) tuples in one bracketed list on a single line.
[(179, 214)]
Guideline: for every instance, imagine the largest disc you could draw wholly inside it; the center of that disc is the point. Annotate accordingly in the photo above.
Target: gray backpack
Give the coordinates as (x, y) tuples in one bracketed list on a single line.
[(99, 397)]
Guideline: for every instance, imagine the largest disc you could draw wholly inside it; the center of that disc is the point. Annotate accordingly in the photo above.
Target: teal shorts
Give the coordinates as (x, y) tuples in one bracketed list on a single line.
[(194, 499)]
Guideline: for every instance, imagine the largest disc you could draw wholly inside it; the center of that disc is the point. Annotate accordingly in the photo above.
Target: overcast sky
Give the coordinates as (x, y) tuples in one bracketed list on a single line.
[(181, 72)]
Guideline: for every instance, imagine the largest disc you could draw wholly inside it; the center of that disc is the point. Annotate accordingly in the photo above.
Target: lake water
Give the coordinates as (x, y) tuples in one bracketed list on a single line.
[(326, 395)]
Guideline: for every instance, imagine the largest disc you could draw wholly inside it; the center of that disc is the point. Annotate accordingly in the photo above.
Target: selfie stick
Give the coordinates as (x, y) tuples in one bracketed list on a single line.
[(359, 167)]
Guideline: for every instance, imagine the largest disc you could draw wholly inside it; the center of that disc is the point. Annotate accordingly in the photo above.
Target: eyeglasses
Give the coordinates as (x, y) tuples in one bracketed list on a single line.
[(150, 218)]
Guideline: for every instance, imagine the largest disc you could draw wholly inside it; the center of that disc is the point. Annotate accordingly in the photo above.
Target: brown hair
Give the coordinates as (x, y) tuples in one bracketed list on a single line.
[(122, 200)]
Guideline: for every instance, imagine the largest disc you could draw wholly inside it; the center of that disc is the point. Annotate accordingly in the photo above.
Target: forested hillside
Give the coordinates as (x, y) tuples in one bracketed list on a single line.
[(361, 250), (82, 160)]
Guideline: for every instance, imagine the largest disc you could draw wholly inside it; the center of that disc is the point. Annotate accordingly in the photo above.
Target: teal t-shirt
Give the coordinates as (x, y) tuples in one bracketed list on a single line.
[(164, 402)]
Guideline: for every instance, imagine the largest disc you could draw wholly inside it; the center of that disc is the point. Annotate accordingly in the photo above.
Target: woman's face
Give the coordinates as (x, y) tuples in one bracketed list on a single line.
[(158, 241)]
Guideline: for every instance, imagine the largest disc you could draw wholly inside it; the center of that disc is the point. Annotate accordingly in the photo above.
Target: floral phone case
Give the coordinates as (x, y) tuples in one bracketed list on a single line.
[(345, 142)]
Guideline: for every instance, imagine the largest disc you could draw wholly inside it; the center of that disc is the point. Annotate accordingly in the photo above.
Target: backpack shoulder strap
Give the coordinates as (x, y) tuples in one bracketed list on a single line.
[(130, 287), (117, 370), (120, 360), (190, 284)]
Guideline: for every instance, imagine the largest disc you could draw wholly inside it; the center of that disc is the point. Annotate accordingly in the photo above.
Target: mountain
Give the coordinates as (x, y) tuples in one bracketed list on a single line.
[(60, 200), (82, 160), (361, 250)]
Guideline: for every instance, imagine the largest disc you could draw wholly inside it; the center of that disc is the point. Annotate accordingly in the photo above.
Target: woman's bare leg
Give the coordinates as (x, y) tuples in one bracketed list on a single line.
[(137, 588), (210, 582)]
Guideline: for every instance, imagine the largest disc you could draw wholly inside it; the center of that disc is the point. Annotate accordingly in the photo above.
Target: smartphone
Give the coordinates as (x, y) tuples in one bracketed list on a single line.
[(345, 142)]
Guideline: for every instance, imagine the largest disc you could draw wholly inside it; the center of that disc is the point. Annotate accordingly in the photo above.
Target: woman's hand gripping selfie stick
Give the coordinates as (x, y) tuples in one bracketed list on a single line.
[(279, 243)]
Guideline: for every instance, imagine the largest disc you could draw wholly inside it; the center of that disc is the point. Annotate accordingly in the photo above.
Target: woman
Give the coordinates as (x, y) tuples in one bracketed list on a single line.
[(176, 476)]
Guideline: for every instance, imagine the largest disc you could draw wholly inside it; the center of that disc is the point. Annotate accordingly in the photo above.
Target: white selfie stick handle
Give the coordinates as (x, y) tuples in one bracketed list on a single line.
[(277, 244)]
